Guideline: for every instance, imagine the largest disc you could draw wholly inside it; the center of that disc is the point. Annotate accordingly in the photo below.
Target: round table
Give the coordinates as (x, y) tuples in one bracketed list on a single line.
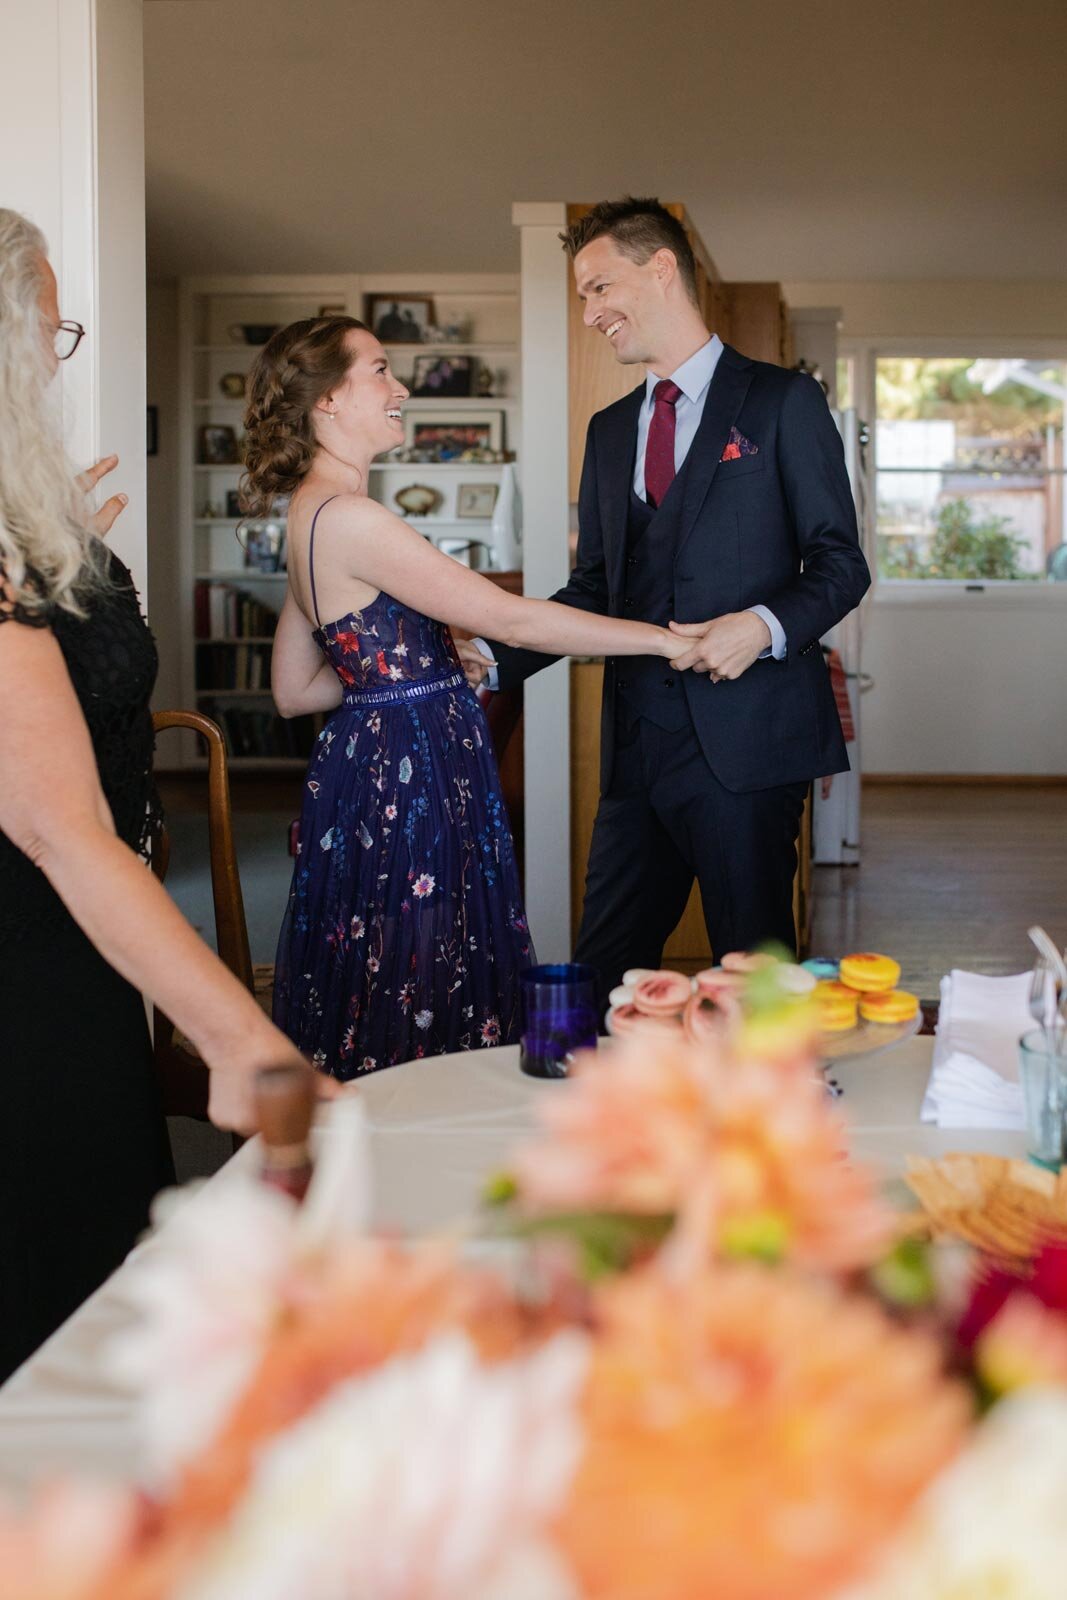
[(438, 1129)]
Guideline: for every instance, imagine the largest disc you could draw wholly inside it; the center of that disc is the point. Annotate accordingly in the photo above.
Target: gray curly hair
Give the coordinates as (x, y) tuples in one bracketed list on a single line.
[(47, 550)]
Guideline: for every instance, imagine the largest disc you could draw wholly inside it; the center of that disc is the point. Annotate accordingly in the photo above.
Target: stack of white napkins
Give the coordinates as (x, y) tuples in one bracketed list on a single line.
[(975, 1078)]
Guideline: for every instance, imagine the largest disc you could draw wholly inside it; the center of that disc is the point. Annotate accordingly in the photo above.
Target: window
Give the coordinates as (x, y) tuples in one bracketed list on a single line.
[(970, 468)]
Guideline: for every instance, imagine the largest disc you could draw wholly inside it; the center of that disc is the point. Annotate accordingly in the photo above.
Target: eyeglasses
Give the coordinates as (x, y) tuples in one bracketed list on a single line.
[(68, 336)]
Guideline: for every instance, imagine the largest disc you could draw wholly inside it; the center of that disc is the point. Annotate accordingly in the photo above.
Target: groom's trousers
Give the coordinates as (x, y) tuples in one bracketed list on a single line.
[(665, 820)]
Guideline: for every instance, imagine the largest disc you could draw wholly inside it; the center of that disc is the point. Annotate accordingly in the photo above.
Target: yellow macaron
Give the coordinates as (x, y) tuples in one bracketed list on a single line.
[(893, 1005), (868, 973), (836, 1005)]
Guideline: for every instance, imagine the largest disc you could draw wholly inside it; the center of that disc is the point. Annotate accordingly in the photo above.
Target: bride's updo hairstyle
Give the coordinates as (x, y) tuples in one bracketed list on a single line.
[(293, 371)]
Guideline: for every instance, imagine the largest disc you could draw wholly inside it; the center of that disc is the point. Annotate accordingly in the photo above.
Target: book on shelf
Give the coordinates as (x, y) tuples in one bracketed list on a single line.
[(221, 665), (259, 732), (224, 610)]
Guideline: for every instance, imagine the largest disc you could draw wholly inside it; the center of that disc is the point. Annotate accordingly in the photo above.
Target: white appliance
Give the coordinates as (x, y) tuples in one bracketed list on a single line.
[(836, 817)]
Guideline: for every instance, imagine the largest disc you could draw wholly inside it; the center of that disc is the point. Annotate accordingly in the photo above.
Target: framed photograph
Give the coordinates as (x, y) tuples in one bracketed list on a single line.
[(333, 311), (448, 438), (399, 318), (152, 446), (216, 445), (443, 376), (476, 499)]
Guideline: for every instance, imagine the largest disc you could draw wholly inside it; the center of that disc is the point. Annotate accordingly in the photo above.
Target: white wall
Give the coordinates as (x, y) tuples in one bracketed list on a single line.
[(945, 308), (970, 685), (72, 158), (964, 683)]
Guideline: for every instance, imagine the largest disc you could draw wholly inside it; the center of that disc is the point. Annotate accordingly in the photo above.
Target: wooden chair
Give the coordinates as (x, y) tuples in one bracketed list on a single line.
[(183, 1077)]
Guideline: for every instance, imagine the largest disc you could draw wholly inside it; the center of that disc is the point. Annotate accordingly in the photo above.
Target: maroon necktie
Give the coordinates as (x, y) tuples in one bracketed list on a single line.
[(659, 451)]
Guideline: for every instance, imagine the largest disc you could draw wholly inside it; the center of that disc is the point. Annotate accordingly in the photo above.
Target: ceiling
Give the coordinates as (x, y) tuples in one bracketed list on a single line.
[(833, 139)]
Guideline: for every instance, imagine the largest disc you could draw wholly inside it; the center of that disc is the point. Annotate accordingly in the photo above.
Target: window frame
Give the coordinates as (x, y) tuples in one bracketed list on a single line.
[(1003, 593)]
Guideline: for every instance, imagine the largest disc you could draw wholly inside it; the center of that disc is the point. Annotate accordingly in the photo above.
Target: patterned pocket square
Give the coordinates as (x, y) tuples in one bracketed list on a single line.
[(737, 446)]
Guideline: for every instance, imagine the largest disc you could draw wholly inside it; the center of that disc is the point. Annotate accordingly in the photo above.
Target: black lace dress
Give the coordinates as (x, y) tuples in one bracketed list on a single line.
[(83, 1145)]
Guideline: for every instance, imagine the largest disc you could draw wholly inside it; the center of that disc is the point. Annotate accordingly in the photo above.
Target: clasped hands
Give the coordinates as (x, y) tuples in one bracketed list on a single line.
[(724, 648)]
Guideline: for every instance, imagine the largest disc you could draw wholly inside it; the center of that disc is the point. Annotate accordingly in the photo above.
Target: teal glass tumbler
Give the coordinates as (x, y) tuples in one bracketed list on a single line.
[(559, 1016), (1043, 1076)]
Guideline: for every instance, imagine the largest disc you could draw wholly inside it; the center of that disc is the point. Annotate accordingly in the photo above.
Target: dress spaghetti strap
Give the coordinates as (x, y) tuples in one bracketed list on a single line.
[(311, 562)]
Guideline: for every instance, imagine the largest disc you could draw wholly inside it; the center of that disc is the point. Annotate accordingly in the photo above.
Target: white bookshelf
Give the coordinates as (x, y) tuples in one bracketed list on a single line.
[(210, 552)]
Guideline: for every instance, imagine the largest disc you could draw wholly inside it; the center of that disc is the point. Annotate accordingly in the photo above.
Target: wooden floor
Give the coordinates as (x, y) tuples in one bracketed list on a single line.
[(952, 876)]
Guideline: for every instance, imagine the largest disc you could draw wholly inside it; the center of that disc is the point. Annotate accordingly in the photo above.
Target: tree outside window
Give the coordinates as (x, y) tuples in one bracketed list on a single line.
[(970, 468)]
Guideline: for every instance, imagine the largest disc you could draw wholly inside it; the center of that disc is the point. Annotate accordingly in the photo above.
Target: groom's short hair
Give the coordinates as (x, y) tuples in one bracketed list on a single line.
[(639, 228)]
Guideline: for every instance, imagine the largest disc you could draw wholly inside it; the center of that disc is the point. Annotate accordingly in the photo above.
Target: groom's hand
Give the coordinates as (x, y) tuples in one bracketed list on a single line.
[(474, 664), (725, 647)]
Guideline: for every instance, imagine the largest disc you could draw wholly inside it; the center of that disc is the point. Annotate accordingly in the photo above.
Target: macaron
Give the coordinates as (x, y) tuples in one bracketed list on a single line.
[(837, 1006), (662, 994), (869, 973), (746, 960), (820, 967), (889, 1006)]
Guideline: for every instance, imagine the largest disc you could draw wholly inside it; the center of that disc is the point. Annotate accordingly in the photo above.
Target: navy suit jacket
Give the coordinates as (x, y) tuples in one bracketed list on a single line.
[(776, 527)]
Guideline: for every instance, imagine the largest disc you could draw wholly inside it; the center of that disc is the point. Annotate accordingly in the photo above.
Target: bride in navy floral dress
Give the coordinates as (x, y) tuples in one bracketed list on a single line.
[(405, 934)]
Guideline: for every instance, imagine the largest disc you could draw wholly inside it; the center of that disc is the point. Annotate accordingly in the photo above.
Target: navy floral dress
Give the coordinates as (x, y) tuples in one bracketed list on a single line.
[(405, 932)]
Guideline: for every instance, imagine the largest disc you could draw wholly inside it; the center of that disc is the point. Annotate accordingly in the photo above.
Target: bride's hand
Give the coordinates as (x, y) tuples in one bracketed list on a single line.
[(102, 521)]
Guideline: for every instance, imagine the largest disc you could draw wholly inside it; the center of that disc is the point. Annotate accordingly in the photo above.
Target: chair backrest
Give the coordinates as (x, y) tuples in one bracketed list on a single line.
[(231, 930), (182, 1075)]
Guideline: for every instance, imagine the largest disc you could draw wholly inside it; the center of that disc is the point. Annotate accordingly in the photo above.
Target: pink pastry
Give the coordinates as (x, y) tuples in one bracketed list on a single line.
[(627, 1019), (704, 1019), (744, 961), (713, 982), (663, 994)]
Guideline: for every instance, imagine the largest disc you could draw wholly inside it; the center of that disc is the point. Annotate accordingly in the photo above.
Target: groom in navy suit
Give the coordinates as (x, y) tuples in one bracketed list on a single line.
[(715, 498)]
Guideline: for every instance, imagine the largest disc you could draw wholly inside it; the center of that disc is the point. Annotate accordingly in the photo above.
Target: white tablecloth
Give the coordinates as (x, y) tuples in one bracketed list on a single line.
[(438, 1127)]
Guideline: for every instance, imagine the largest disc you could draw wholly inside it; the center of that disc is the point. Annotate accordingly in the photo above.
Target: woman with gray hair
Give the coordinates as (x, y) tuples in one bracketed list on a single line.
[(84, 927)]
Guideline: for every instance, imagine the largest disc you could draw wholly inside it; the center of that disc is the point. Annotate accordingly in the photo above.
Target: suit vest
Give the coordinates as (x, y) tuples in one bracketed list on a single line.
[(646, 685)]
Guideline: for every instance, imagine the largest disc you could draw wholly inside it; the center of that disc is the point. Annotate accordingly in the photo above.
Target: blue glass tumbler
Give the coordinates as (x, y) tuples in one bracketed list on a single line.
[(559, 1015)]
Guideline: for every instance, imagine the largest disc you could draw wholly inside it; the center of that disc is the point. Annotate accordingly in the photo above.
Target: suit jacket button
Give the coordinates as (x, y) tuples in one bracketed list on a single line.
[(668, 683), (622, 684), (628, 603)]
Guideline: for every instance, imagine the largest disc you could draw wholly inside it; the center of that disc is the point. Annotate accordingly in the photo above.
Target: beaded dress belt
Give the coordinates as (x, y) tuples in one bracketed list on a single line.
[(418, 689)]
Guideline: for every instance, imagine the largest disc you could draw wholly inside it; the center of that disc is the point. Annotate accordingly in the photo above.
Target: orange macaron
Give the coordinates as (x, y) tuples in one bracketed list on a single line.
[(869, 973), (889, 1006)]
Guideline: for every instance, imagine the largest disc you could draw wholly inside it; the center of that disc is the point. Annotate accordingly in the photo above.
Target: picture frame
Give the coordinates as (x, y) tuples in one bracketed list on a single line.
[(442, 377), (152, 431), (333, 311), (447, 438), (476, 500), (399, 318), (216, 445)]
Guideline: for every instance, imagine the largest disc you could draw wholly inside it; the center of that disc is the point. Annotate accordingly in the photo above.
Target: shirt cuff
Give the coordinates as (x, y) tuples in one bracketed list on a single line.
[(492, 680), (776, 648)]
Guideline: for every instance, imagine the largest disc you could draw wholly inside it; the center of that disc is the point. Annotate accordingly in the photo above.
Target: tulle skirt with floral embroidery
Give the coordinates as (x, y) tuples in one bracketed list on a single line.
[(405, 932)]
